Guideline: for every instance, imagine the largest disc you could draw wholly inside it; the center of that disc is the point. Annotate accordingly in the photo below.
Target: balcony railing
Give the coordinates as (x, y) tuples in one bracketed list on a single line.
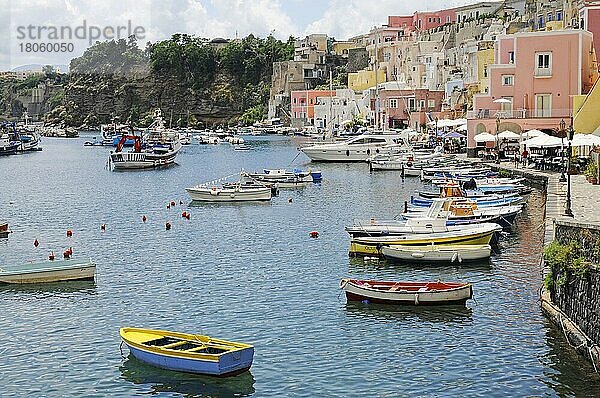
[(519, 114), (543, 72)]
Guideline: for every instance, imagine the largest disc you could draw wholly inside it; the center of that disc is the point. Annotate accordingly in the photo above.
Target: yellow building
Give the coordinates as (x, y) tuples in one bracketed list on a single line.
[(341, 47), (586, 111), (485, 58), (364, 79)]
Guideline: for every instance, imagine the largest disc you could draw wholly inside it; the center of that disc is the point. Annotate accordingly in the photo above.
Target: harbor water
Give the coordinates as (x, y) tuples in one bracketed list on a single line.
[(251, 273)]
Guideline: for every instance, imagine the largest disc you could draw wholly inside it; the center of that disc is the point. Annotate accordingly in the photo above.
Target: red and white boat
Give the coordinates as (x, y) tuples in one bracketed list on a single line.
[(407, 293), (4, 231)]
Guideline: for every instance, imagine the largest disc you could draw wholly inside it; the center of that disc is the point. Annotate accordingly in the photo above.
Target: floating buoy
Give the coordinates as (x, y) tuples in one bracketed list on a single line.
[(172, 203), (36, 243), (51, 256), (313, 234), (168, 226), (184, 214), (187, 216), (70, 251), (69, 233), (103, 227), (144, 219), (168, 206), (66, 254), (181, 202), (290, 200)]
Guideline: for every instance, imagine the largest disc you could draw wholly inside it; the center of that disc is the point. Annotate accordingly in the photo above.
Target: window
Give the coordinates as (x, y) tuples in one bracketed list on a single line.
[(511, 57), (411, 104), (295, 100), (431, 103), (448, 19), (508, 80), (540, 22), (427, 60), (549, 17), (507, 107), (485, 71), (543, 105), (393, 103), (422, 104), (543, 64), (559, 15)]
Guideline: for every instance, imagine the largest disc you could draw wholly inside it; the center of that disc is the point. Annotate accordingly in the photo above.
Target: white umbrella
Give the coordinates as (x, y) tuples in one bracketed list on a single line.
[(484, 137), (585, 140), (508, 135), (533, 133), (544, 141), (502, 101)]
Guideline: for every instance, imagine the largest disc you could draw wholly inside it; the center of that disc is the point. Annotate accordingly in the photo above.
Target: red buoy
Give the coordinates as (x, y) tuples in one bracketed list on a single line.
[(36, 243), (168, 226), (69, 233), (184, 214), (187, 216), (66, 254), (70, 251), (313, 234), (51, 256), (103, 227), (144, 219), (172, 203)]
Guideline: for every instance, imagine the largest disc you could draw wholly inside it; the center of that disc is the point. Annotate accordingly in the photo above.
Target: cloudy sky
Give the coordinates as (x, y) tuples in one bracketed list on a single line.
[(28, 23)]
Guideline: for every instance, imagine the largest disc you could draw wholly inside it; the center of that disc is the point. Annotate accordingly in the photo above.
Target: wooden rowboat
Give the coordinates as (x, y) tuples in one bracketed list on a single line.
[(4, 231), (48, 271), (435, 253), (407, 293), (190, 353)]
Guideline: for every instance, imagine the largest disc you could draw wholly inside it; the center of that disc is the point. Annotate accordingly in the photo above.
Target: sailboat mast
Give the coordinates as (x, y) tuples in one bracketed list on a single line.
[(376, 83), (330, 102)]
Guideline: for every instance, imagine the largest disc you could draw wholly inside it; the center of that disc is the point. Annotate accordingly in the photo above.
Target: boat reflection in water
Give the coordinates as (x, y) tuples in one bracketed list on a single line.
[(157, 381), (52, 288), (438, 314)]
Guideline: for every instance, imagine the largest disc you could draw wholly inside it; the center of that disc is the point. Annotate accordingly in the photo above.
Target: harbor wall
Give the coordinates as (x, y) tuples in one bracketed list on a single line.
[(573, 302)]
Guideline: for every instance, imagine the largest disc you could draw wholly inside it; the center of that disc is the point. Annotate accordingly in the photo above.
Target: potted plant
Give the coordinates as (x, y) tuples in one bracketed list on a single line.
[(591, 172)]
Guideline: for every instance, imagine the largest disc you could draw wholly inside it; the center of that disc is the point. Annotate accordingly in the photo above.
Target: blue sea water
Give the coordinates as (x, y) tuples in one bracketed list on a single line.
[(250, 272)]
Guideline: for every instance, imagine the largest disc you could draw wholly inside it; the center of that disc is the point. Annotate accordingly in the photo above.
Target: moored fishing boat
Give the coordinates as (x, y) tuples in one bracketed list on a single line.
[(190, 353), (478, 234), (144, 156), (230, 193), (4, 231), (48, 271), (436, 253), (407, 293)]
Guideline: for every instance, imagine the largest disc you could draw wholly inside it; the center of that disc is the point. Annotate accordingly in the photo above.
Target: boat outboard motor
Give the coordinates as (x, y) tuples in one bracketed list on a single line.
[(470, 185)]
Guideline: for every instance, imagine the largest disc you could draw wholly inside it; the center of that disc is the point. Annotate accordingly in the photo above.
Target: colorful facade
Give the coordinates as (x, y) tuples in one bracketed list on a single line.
[(303, 104), (365, 79)]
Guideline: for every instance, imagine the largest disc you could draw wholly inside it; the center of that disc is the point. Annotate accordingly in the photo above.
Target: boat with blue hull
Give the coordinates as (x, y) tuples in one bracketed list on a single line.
[(485, 201), (190, 353)]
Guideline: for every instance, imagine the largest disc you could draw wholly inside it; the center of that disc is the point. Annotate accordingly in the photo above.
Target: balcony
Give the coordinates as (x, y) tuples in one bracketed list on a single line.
[(519, 114), (543, 72)]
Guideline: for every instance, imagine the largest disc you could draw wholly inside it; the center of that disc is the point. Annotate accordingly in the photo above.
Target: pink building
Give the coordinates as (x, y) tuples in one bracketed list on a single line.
[(589, 19), (532, 82), (409, 107), (422, 20)]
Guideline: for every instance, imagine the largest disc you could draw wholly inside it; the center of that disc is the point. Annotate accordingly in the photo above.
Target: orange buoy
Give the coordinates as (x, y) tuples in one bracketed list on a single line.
[(69, 233), (36, 243), (51, 256), (313, 234), (168, 226), (103, 227), (144, 219)]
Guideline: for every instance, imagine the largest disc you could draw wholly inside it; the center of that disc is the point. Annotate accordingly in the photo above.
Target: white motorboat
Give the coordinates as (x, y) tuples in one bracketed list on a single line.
[(230, 193), (185, 139), (357, 149), (48, 271), (437, 253)]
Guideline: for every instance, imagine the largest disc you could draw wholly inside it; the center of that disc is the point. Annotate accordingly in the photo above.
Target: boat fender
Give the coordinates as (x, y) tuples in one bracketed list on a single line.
[(232, 195), (460, 260), (416, 298), (36, 243), (51, 256), (417, 254), (454, 257)]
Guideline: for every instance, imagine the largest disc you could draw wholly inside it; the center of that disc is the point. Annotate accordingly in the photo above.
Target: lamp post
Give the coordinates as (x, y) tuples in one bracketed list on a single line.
[(568, 211), (436, 129), (562, 134), (497, 141)]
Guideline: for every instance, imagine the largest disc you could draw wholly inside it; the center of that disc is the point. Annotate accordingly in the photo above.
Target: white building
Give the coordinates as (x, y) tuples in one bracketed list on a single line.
[(339, 109)]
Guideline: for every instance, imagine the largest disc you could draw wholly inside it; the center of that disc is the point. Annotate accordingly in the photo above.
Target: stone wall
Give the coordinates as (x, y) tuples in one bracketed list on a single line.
[(586, 234), (358, 59)]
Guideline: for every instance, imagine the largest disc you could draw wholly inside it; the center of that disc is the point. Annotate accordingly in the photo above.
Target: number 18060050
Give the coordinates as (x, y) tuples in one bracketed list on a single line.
[(46, 47)]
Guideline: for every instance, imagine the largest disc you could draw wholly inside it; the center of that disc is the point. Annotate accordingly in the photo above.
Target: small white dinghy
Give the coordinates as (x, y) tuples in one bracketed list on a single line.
[(48, 271), (437, 253), (233, 193)]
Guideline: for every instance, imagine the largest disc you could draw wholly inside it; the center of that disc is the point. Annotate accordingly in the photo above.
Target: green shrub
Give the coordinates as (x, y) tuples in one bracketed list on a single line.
[(564, 260)]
